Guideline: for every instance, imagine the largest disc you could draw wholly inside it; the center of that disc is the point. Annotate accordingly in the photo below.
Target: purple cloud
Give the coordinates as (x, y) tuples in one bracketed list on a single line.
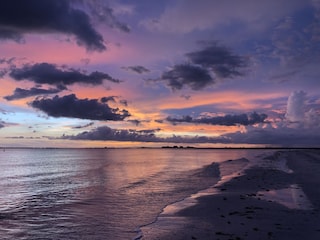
[(108, 134), (46, 73), (204, 67), (20, 93), (72, 107), (18, 18), (227, 120)]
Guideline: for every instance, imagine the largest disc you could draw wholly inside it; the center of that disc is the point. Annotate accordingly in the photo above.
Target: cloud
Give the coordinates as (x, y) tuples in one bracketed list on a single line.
[(186, 97), (204, 67), (293, 47), (312, 118), (301, 114), (220, 60), (227, 120), (109, 98), (296, 106), (84, 126), (105, 133), (6, 124), (11, 35), (159, 121), (194, 77), (6, 64), (124, 102), (113, 99), (137, 69), (188, 15), (284, 76), (18, 18), (101, 12), (280, 135), (300, 128), (24, 93), (46, 73), (7, 61), (19, 137), (72, 107), (135, 122), (3, 72), (108, 134)]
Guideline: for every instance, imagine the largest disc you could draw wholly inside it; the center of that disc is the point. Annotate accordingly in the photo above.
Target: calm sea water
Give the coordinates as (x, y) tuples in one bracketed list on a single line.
[(96, 193)]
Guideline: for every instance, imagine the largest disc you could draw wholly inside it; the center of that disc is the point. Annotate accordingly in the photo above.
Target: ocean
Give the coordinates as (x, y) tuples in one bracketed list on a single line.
[(98, 193)]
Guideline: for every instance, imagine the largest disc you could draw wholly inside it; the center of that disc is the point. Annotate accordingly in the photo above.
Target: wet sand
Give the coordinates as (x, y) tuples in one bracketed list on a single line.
[(277, 197)]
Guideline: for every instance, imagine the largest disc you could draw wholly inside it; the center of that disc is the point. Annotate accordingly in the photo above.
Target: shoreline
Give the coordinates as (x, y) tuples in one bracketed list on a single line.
[(211, 170), (248, 206), (169, 210), (165, 147)]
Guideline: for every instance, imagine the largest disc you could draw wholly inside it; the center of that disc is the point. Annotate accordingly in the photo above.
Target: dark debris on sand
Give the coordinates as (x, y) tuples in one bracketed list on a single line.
[(238, 210)]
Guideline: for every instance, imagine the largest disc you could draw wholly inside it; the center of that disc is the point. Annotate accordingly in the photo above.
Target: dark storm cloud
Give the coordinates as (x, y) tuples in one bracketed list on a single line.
[(220, 60), (108, 134), (192, 76), (227, 120), (33, 16), (72, 107), (24, 93), (203, 67), (137, 69), (46, 73)]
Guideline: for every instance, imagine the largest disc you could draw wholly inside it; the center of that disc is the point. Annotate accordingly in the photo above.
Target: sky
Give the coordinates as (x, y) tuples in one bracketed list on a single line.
[(121, 73)]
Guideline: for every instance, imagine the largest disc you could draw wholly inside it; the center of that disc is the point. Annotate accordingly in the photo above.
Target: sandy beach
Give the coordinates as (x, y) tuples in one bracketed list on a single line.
[(275, 196)]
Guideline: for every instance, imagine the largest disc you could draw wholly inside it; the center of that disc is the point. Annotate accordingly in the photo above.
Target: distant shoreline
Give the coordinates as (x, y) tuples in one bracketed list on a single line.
[(171, 147)]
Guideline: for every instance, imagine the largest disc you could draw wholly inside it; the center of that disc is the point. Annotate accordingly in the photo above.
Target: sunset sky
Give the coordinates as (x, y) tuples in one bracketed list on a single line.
[(120, 73)]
